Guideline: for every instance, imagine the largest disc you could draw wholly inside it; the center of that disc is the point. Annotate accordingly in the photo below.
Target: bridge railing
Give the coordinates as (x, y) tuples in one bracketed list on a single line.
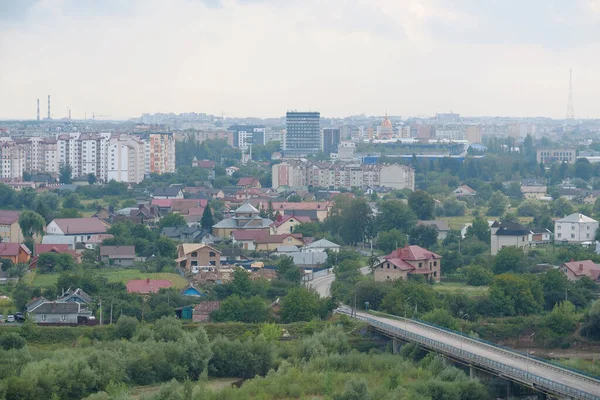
[(512, 372), (511, 352)]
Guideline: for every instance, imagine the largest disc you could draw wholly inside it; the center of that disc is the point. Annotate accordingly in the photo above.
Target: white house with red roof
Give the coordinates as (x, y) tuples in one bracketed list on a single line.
[(575, 270), (409, 260)]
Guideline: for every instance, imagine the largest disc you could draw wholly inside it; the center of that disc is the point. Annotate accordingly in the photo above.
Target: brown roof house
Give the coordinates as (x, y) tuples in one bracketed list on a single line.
[(146, 286), (17, 253), (409, 260), (122, 256), (202, 310), (77, 229), (193, 256), (249, 182)]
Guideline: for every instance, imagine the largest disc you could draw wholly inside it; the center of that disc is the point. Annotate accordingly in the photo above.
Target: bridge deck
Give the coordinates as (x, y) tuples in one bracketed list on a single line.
[(545, 376)]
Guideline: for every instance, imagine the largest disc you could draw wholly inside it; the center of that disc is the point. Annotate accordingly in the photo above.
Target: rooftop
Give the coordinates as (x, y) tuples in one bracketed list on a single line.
[(145, 286), (75, 226)]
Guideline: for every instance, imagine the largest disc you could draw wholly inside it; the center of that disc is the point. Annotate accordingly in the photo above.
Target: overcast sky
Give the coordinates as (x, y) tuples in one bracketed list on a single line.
[(262, 57)]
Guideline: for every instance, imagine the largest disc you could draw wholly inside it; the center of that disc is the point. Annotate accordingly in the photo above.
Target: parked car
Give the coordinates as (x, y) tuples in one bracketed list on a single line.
[(1, 318), (10, 318), (19, 317)]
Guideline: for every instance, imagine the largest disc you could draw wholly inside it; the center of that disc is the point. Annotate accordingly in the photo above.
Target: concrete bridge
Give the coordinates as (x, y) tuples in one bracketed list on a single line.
[(544, 377)]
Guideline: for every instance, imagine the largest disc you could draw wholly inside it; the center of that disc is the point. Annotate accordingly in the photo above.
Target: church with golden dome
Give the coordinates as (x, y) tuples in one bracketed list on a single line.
[(386, 130)]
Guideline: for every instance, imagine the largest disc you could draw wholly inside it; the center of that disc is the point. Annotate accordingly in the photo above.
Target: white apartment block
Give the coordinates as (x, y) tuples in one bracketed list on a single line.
[(126, 160), (342, 175), (12, 156), (69, 152), (575, 228)]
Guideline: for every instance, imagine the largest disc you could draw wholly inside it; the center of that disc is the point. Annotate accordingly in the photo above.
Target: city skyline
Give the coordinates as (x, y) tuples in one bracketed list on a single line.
[(261, 58)]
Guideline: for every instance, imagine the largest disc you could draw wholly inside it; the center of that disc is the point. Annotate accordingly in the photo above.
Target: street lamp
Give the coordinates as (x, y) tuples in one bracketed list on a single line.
[(530, 337), (461, 331)]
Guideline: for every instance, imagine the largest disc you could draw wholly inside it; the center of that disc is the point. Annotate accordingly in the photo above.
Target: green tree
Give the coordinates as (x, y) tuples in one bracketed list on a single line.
[(479, 229), (441, 317), (512, 294), (72, 201), (510, 259), (172, 220), (91, 178), (207, 220), (252, 310), (65, 174), (561, 207), (424, 236), (391, 240), (454, 208), (422, 204), (126, 327), (591, 328), (288, 271), (562, 319), (395, 214), (479, 276), (12, 340), (31, 223), (410, 298), (555, 286), (498, 204), (308, 229), (300, 305)]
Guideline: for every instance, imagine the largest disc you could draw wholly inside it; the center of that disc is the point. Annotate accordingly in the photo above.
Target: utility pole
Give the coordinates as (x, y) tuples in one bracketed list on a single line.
[(100, 311), (111, 311)]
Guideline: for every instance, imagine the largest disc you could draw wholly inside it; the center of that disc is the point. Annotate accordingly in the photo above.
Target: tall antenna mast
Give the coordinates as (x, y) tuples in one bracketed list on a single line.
[(570, 111)]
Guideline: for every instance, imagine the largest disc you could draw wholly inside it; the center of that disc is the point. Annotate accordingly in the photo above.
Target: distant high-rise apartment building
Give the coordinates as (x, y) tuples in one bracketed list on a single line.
[(126, 159), (425, 131), (160, 152), (246, 135), (12, 157), (303, 136), (331, 140), (473, 134)]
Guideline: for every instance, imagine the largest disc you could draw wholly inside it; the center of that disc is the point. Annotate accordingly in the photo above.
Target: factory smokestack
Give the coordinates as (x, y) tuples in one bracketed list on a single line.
[(38, 109), (48, 106), (69, 114)]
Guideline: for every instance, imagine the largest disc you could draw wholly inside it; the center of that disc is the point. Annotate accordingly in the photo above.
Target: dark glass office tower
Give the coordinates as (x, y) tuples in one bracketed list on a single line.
[(303, 136)]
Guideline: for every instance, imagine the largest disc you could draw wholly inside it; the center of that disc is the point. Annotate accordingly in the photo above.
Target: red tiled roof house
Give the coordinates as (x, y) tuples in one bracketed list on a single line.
[(409, 260)]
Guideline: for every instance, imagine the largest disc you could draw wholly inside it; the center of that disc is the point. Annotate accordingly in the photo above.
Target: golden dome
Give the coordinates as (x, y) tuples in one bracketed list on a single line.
[(386, 123)]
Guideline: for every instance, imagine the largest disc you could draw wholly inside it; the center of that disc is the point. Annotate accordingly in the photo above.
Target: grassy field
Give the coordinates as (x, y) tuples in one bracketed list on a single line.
[(459, 287), (215, 384), (113, 275)]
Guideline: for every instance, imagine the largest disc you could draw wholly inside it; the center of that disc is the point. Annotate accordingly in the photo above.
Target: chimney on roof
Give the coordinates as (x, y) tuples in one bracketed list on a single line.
[(581, 267), (147, 280)]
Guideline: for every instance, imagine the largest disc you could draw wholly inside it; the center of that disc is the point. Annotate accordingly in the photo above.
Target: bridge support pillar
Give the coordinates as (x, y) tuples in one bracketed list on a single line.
[(509, 390), (542, 396), (395, 346), (472, 373)]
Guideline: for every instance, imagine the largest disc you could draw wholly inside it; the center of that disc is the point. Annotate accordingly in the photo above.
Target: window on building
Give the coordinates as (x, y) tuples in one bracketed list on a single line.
[(43, 317), (558, 235), (558, 226), (194, 254), (572, 236), (420, 265), (212, 254)]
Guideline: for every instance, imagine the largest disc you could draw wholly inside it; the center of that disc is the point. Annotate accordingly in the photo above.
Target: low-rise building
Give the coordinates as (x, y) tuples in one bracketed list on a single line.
[(575, 228), (409, 260), (147, 286), (322, 245), (575, 270), (191, 256), (550, 156), (122, 256), (10, 230), (246, 217), (464, 190), (76, 229), (505, 234), (15, 252), (169, 192), (533, 191), (287, 223), (440, 226)]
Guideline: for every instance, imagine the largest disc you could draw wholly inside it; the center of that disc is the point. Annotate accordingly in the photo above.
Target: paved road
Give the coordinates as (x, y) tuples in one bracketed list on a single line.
[(322, 284), (514, 360)]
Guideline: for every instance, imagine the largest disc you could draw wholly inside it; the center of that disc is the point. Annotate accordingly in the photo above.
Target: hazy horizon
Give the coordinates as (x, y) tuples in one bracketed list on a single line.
[(262, 57)]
